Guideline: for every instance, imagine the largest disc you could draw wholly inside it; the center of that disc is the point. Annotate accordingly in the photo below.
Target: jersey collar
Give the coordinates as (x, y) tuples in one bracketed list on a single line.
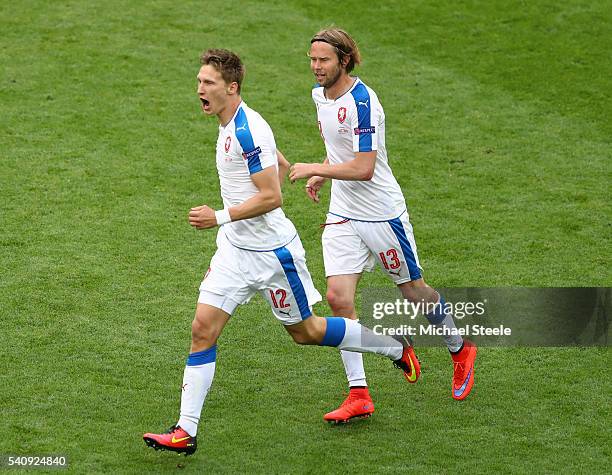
[(231, 121), (355, 82)]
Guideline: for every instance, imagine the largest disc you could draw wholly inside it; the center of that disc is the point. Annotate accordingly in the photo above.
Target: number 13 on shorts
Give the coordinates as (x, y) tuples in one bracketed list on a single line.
[(390, 259)]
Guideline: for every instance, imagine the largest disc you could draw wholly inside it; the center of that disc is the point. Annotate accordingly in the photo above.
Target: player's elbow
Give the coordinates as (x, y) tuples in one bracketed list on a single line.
[(278, 201), (366, 173), (274, 200), (364, 165)]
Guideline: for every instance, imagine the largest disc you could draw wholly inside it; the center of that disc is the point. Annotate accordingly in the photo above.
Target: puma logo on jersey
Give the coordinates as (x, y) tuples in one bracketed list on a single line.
[(242, 127), (362, 103)]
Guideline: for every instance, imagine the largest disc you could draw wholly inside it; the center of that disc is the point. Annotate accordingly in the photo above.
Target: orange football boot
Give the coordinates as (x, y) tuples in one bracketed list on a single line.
[(463, 374), (357, 404), (175, 440), (409, 363)]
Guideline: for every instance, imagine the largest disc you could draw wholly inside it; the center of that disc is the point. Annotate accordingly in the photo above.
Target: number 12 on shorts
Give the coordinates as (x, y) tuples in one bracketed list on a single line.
[(280, 302), (393, 263)]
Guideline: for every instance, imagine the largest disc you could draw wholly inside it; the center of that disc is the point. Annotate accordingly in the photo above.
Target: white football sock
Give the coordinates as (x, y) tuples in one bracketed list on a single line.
[(196, 383), (353, 366), (453, 342), (363, 340)]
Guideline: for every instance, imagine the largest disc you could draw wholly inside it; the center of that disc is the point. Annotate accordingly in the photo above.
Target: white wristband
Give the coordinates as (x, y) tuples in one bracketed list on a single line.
[(223, 216)]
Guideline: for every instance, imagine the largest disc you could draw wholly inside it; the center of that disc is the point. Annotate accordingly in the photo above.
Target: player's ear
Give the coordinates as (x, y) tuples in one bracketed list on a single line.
[(232, 88)]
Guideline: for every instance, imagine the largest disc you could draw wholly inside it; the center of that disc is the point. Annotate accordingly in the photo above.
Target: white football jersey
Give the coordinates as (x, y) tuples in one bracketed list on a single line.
[(355, 122), (246, 146)]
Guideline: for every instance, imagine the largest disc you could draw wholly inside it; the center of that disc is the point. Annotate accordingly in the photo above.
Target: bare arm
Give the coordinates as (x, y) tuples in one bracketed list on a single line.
[(361, 168), (268, 197), (283, 166), (314, 185)]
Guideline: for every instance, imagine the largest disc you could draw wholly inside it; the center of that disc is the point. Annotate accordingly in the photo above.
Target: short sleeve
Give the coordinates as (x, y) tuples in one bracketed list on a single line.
[(364, 121), (257, 142)]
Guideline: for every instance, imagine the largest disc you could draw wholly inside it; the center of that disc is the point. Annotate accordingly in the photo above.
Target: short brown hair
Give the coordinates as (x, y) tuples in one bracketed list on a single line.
[(227, 63), (342, 43)]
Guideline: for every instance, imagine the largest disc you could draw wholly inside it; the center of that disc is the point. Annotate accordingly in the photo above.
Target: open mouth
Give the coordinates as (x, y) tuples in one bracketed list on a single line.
[(205, 104)]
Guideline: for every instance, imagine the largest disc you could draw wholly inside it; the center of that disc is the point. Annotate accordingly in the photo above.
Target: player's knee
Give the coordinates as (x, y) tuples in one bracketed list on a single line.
[(340, 303), (202, 334)]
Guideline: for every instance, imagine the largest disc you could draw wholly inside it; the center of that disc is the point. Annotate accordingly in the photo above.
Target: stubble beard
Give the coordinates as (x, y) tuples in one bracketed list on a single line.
[(333, 80)]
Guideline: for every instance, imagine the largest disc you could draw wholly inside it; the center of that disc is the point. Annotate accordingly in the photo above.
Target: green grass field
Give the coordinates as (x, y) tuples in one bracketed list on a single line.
[(498, 129)]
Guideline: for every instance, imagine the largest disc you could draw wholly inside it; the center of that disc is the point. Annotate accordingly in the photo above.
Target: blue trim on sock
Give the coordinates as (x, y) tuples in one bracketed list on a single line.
[(334, 333), (438, 314), (202, 357)]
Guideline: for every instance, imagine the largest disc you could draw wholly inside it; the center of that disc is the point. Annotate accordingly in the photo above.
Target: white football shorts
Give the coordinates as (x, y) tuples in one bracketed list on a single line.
[(351, 247), (279, 275)]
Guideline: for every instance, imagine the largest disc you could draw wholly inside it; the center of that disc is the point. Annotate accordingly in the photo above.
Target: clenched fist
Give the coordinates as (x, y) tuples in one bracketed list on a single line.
[(202, 217)]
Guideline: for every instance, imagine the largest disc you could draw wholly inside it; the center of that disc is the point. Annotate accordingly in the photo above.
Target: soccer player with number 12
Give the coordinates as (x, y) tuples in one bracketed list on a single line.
[(258, 251)]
